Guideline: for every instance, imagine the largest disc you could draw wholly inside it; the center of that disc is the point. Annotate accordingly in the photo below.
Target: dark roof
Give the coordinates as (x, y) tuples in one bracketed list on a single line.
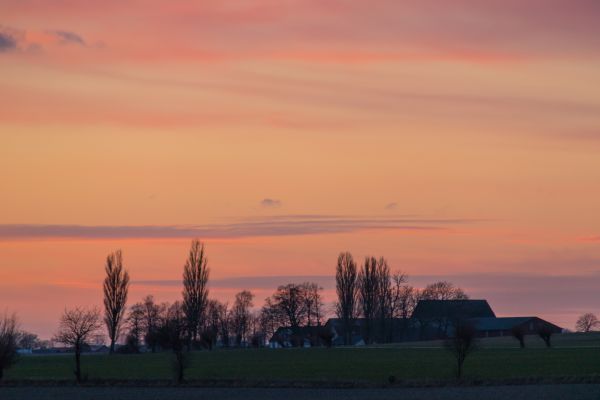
[(498, 324), (453, 309)]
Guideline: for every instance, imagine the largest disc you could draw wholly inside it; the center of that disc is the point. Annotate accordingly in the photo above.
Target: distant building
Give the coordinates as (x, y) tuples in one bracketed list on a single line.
[(430, 320)]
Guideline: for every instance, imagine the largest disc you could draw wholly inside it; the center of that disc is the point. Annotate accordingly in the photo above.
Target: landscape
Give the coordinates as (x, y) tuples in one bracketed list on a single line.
[(300, 199)]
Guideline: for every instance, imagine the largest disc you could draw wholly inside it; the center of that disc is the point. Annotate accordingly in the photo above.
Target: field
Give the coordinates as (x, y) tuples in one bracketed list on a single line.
[(574, 356)]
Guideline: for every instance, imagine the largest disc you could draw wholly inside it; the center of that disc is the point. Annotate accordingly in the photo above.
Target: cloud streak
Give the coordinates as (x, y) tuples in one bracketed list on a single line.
[(69, 37), (277, 226)]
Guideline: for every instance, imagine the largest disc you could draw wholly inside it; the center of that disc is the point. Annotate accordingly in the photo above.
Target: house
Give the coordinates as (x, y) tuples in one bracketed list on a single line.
[(490, 327), (436, 319), (430, 320)]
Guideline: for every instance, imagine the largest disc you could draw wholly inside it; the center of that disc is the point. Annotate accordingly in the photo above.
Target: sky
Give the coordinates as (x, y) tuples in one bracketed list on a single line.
[(459, 139)]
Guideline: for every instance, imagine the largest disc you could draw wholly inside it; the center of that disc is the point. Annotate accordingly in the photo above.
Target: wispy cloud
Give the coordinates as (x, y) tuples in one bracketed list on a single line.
[(269, 226), (8, 41), (270, 203), (69, 37), (391, 206)]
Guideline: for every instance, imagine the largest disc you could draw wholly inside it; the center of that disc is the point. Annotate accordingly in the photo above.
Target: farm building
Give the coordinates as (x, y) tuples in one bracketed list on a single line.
[(431, 319)]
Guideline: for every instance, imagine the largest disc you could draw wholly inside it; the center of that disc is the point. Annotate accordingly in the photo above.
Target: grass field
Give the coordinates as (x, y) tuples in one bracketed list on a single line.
[(496, 359)]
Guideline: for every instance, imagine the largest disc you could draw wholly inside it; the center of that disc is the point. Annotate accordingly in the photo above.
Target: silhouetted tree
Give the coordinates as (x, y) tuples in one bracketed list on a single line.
[(326, 336), (288, 302), (177, 335), (152, 316), (368, 295), (461, 345), (116, 286), (135, 326), (76, 327), (443, 290), (544, 331), (195, 288), (8, 342), (384, 300), (313, 303), (346, 285), (518, 333), (240, 315), (586, 322), (27, 340)]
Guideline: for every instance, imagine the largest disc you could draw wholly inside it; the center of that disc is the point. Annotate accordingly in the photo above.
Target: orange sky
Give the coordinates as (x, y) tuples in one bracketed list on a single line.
[(459, 139)]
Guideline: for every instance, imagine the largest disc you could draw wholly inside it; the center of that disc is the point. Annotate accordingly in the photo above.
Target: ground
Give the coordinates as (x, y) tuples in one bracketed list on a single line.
[(496, 360)]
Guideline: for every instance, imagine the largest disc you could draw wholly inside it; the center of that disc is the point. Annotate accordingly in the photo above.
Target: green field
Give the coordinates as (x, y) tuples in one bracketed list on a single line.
[(496, 359)]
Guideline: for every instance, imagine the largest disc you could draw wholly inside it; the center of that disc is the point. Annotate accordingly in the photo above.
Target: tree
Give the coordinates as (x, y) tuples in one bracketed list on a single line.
[(9, 333), (135, 324), (76, 327), (195, 288), (369, 295), (313, 303), (518, 333), (346, 285), (443, 290), (544, 331), (240, 315), (461, 345), (177, 335), (151, 313), (27, 340), (288, 303), (384, 300), (116, 287), (586, 323)]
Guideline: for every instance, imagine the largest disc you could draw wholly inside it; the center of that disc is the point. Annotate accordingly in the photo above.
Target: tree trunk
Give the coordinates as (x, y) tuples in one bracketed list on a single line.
[(112, 345), (1, 373), (78, 363)]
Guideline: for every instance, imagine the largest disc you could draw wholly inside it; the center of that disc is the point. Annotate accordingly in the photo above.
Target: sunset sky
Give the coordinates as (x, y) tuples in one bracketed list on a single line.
[(459, 139)]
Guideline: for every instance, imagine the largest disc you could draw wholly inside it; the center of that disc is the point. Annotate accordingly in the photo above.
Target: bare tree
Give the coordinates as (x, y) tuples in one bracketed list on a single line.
[(177, 334), (544, 331), (518, 333), (586, 322), (27, 340), (313, 303), (76, 327), (116, 286), (443, 290), (288, 302), (346, 284), (9, 332), (151, 313), (368, 295), (195, 288), (240, 315), (384, 300), (461, 345), (135, 325)]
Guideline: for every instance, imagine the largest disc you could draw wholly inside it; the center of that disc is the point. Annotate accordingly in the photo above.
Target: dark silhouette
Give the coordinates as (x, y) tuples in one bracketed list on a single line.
[(116, 286), (195, 289), (313, 303), (326, 337), (240, 316), (346, 284), (151, 312), (384, 300), (545, 332), (8, 342), (27, 340), (135, 324), (177, 335), (77, 325), (461, 345), (289, 304), (368, 295), (518, 333), (587, 322)]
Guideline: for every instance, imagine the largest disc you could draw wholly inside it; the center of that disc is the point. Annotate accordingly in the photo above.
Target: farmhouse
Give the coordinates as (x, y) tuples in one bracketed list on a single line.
[(430, 320)]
